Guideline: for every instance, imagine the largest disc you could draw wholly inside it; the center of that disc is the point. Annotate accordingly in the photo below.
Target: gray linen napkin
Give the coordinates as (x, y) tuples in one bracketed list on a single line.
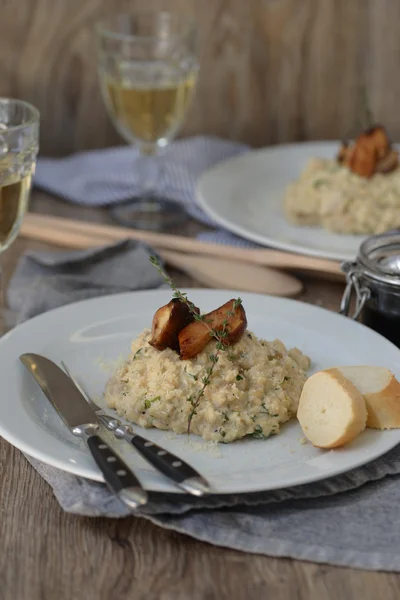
[(350, 520), (45, 280)]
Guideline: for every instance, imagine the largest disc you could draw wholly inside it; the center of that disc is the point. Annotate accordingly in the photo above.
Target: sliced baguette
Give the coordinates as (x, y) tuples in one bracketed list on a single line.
[(381, 391), (331, 410)]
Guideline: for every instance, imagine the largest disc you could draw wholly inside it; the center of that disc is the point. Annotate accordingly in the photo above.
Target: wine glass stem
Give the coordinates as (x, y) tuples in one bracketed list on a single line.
[(148, 167), (149, 208)]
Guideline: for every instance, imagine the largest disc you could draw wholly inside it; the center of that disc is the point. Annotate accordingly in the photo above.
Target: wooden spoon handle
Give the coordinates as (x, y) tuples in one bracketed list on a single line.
[(50, 229), (213, 272)]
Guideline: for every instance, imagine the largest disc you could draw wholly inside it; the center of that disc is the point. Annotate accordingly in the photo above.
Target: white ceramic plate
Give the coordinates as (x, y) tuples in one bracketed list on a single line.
[(91, 336), (244, 195)]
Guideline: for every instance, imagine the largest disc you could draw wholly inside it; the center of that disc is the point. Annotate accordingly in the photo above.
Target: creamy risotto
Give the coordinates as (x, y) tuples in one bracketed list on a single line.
[(255, 387), (332, 196)]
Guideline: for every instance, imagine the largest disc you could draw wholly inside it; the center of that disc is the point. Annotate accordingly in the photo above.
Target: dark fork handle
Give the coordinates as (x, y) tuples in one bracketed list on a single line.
[(117, 474), (170, 465)]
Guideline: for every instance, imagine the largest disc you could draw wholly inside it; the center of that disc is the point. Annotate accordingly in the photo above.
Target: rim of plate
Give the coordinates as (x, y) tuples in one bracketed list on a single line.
[(94, 475), (247, 234)]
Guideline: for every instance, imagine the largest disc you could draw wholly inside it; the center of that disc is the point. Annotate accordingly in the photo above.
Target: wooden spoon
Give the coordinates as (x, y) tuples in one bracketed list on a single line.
[(219, 272), (226, 274), (208, 270), (67, 232)]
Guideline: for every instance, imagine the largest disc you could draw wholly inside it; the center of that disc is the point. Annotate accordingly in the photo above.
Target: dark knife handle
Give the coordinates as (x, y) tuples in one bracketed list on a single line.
[(117, 474), (170, 465)]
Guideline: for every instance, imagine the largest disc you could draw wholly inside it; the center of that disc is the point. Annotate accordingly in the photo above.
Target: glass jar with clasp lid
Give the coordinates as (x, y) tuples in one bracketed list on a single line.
[(374, 279)]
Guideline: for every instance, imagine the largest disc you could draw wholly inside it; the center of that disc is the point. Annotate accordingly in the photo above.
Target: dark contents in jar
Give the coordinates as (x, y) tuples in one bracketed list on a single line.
[(385, 323)]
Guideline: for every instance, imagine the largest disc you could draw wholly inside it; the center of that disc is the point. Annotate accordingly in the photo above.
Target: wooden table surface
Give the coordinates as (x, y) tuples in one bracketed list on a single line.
[(46, 554)]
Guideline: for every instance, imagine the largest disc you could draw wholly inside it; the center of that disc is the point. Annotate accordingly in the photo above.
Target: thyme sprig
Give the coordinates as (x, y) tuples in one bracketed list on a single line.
[(219, 335), (176, 292)]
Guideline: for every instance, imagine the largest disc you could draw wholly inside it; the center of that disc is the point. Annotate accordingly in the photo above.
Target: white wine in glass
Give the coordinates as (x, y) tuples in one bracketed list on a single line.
[(148, 103), (14, 196), (19, 143), (148, 70)]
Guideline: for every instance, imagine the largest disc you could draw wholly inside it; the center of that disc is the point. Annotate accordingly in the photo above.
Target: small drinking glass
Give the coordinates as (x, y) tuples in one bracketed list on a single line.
[(19, 144), (147, 64)]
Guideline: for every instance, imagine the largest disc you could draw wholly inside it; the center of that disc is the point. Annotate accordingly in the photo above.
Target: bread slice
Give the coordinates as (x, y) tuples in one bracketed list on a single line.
[(381, 391), (331, 410)]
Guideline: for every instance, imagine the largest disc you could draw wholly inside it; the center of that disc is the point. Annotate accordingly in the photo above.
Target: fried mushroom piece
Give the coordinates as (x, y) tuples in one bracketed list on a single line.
[(195, 337), (362, 159), (370, 153), (168, 322), (379, 140)]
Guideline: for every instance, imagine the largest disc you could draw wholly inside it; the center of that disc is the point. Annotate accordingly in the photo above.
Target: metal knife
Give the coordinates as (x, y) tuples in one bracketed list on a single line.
[(167, 463), (83, 422)]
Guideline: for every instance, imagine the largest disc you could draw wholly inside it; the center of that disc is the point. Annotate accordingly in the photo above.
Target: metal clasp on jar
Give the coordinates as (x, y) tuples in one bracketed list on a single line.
[(363, 293)]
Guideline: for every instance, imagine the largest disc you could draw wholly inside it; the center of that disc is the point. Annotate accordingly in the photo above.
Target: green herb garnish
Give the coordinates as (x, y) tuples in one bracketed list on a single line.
[(258, 433), (191, 375), (149, 401), (319, 182)]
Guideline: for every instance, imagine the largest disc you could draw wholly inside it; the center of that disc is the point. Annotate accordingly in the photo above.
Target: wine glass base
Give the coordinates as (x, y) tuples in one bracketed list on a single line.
[(152, 213)]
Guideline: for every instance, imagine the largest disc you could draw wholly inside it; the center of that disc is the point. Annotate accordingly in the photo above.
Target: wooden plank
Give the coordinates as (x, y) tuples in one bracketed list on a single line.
[(272, 71), (48, 554)]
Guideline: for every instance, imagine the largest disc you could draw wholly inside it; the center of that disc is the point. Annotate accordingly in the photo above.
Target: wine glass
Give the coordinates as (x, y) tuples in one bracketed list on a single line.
[(19, 144), (147, 66)]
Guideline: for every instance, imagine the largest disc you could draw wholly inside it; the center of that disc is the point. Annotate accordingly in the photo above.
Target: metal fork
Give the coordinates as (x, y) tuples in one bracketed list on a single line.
[(168, 464)]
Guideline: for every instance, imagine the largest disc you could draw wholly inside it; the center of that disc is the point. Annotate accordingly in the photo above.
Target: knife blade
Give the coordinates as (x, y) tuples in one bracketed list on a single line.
[(170, 465), (83, 422)]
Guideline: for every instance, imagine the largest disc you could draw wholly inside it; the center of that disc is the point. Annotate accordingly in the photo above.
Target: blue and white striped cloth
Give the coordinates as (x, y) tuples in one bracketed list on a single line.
[(104, 177)]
